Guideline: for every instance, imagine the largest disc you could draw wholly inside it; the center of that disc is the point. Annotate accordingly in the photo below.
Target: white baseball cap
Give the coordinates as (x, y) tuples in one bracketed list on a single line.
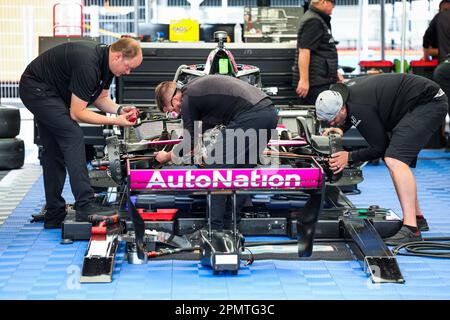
[(328, 104)]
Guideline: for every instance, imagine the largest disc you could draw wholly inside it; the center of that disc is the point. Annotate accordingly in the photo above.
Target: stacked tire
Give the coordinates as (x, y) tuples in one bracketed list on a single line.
[(12, 149)]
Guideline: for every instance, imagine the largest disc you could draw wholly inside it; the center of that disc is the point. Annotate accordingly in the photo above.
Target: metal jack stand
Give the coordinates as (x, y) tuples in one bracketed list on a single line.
[(98, 262), (376, 259), (365, 241)]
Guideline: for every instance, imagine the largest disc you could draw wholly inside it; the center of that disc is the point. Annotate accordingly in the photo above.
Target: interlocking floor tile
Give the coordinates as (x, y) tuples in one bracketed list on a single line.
[(34, 265)]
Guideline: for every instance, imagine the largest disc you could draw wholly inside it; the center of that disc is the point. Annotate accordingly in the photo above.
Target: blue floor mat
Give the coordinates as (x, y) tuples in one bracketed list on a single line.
[(34, 265)]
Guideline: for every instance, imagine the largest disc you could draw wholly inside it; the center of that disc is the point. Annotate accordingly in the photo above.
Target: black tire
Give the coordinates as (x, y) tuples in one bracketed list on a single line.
[(12, 154), (9, 122)]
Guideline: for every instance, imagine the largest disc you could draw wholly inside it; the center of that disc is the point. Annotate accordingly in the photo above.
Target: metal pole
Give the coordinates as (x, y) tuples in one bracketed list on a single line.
[(136, 17), (147, 11), (383, 39), (403, 41), (359, 43)]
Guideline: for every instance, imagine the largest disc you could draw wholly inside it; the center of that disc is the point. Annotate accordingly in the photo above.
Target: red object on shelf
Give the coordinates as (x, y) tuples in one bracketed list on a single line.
[(376, 64), (379, 65), (423, 68), (423, 63), (158, 215)]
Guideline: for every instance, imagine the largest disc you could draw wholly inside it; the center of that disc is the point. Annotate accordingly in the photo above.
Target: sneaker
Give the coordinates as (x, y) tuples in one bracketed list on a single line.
[(54, 221), (82, 214), (422, 224), (404, 235)]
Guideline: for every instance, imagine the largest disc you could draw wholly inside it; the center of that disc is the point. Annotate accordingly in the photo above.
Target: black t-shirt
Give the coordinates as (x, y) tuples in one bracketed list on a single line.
[(312, 31), (443, 34), (217, 99), (437, 34), (430, 36), (377, 103), (79, 67)]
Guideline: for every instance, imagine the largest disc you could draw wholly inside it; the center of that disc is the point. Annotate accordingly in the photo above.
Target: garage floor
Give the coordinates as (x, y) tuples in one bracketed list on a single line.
[(34, 265)]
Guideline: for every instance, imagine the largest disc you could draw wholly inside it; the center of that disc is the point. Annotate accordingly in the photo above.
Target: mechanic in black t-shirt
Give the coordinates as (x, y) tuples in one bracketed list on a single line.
[(57, 87), (436, 39), (397, 114), (436, 42), (316, 60), (220, 100)]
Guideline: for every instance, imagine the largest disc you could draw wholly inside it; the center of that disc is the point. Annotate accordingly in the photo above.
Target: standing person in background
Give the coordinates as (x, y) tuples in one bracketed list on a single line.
[(436, 39), (316, 59), (436, 42)]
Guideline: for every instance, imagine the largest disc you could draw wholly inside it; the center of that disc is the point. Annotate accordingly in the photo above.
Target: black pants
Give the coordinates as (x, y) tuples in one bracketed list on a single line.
[(414, 130), (63, 145), (264, 118), (312, 95)]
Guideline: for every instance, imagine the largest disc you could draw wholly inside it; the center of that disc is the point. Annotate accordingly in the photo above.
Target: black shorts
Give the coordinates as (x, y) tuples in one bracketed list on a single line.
[(415, 129)]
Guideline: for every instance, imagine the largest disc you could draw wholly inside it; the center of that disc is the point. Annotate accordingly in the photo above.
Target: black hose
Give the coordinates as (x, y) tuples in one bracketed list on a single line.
[(425, 248), (436, 239)]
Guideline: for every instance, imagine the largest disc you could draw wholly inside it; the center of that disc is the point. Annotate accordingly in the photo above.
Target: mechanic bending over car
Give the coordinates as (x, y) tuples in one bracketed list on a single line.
[(216, 100), (397, 114), (57, 87)]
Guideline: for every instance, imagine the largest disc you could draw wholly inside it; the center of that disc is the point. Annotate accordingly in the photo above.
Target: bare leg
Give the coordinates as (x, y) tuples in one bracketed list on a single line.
[(405, 186), (418, 210)]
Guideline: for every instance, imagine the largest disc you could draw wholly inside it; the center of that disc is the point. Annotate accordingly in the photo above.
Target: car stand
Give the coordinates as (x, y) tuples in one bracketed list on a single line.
[(220, 250)]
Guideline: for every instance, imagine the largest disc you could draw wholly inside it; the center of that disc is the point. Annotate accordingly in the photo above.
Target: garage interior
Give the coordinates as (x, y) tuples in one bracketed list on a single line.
[(347, 247)]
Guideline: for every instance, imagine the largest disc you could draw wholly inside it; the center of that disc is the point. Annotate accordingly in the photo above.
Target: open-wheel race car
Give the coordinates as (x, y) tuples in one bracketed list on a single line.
[(163, 209)]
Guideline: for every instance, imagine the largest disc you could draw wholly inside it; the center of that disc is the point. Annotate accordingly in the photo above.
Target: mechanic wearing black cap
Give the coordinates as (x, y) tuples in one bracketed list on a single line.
[(220, 100), (397, 114), (57, 87)]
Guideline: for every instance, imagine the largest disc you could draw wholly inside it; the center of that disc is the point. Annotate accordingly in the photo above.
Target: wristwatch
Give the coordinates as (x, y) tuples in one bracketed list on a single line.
[(119, 110)]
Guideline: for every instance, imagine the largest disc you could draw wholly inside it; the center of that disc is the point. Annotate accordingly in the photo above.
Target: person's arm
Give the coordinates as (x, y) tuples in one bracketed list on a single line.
[(80, 113), (331, 130), (304, 57), (372, 129), (309, 40), (105, 104), (190, 117), (82, 84)]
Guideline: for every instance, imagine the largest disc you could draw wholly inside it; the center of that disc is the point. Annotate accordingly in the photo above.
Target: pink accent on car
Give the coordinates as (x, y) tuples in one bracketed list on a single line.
[(205, 179)]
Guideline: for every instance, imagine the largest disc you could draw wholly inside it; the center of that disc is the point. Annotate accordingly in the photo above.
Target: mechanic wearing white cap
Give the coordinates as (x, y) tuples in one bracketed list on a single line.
[(396, 114)]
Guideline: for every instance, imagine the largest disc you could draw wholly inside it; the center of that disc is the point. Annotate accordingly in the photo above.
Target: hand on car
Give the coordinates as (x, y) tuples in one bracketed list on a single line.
[(328, 131), (163, 156), (338, 161), (132, 111), (123, 119)]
